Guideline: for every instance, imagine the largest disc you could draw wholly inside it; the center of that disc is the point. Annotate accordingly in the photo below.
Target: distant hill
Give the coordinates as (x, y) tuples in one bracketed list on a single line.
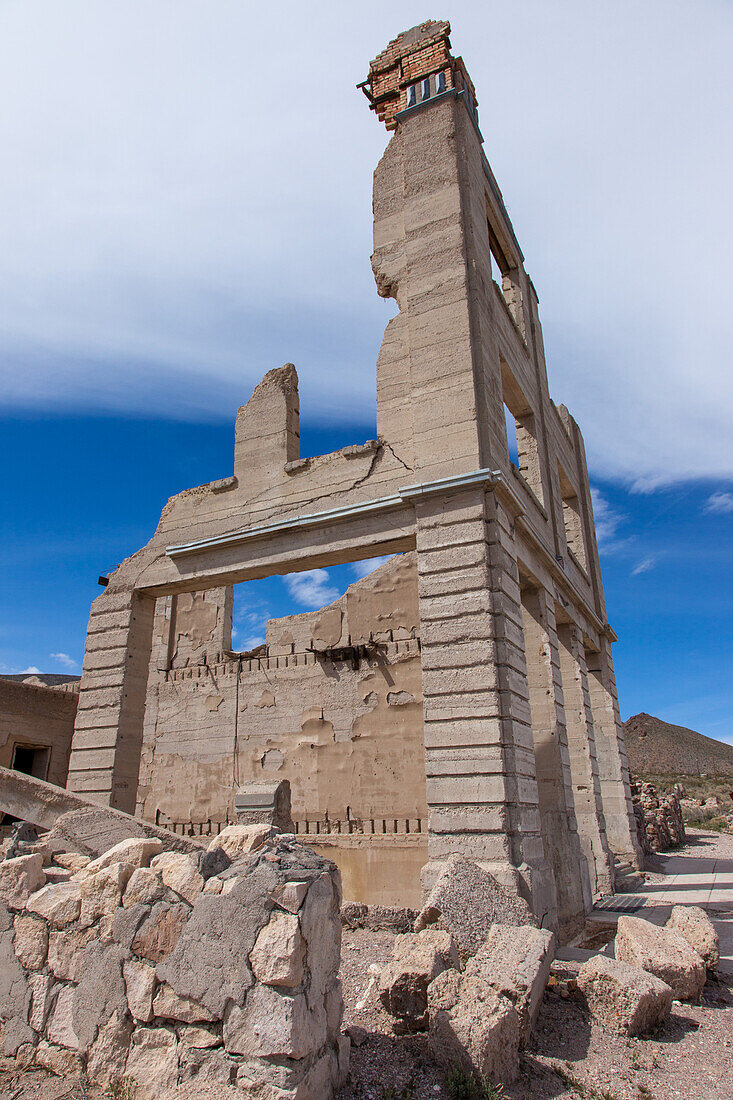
[(655, 747)]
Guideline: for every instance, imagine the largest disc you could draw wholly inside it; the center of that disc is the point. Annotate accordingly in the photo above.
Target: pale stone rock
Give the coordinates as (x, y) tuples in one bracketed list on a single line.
[(101, 891), (278, 956), (198, 1037), (152, 1061), (158, 935), (56, 874), (40, 986), (480, 1032), (240, 840), (180, 873), (290, 895), (19, 878), (72, 861), (15, 996), (58, 1060), (467, 901), (30, 941), (662, 952), (139, 986), (100, 992), (145, 888), (624, 998), (320, 922), (273, 1025), (213, 885), (169, 1005), (213, 1072), (137, 852), (210, 963), (695, 925), (65, 949), (60, 1025), (59, 904), (515, 961), (107, 1057), (416, 960)]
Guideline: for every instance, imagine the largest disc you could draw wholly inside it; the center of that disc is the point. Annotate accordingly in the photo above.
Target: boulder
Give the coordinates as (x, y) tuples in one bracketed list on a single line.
[(145, 888), (624, 998), (180, 873), (417, 959), (241, 840), (57, 1060), (137, 851), (466, 900), (59, 904), (107, 1057), (60, 1028), (290, 895), (662, 952), (272, 1025), (65, 950), (515, 961), (15, 995), (19, 878), (474, 1027), (278, 956), (101, 891), (41, 986), (71, 861), (158, 934), (695, 925)]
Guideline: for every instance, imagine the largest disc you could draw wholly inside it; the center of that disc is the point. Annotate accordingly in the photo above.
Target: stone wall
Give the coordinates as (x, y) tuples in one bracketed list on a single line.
[(171, 970)]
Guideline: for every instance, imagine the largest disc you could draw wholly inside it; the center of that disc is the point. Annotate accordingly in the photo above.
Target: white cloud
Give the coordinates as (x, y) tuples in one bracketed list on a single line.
[(30, 671), (65, 661), (312, 588), (719, 504), (364, 568), (155, 223), (246, 640), (607, 520), (644, 566)]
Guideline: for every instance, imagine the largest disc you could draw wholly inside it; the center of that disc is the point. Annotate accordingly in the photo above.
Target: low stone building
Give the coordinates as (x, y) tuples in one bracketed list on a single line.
[(460, 700), (37, 723)]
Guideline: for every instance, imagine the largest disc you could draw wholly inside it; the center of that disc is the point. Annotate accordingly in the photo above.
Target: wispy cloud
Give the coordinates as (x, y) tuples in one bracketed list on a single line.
[(719, 504), (250, 619), (65, 661), (608, 520), (30, 671), (312, 588), (644, 565), (364, 568)]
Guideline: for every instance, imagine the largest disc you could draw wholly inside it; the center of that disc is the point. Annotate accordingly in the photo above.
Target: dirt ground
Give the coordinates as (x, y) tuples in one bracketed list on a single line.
[(691, 1058)]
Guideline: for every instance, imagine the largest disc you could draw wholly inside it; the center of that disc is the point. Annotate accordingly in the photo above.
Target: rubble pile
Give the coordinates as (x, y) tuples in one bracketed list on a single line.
[(176, 970), (658, 817)]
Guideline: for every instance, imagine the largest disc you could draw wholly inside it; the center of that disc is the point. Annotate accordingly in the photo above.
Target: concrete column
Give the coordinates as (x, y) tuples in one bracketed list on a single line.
[(583, 762), (105, 750), (613, 769), (557, 810), (481, 782)]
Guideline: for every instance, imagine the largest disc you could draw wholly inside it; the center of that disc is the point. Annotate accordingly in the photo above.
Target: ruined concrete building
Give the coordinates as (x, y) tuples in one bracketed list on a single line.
[(460, 699)]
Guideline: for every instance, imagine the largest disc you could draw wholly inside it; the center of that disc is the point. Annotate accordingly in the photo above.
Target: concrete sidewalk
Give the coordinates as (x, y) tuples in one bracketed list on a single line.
[(700, 874)]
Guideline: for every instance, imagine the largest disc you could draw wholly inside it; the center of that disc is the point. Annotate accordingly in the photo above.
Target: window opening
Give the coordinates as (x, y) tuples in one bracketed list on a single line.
[(521, 433), (31, 760), (573, 518)]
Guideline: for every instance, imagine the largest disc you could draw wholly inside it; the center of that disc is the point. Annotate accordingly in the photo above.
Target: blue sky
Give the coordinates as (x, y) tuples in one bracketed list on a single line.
[(181, 210)]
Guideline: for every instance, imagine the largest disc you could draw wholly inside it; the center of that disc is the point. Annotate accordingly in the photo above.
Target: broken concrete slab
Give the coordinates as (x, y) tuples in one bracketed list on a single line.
[(466, 900), (474, 1027), (417, 959), (624, 998), (515, 960), (662, 952), (695, 925)]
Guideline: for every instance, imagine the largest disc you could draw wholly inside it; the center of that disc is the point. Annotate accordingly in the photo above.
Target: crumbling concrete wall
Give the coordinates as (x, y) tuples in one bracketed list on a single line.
[(145, 965), (333, 704), (532, 785), (39, 718)]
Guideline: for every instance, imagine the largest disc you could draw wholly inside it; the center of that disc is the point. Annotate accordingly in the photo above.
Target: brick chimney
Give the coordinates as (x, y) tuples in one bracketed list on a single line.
[(416, 66)]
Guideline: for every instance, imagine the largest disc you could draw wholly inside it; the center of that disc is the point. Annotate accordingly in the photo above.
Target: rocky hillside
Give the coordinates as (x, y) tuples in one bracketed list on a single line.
[(655, 747)]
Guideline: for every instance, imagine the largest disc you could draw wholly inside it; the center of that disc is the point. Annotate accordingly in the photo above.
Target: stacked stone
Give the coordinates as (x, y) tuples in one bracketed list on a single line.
[(663, 825), (172, 969)]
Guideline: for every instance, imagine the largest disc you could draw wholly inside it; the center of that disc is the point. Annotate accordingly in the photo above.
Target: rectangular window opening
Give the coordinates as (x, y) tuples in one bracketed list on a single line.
[(572, 518), (521, 434)]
